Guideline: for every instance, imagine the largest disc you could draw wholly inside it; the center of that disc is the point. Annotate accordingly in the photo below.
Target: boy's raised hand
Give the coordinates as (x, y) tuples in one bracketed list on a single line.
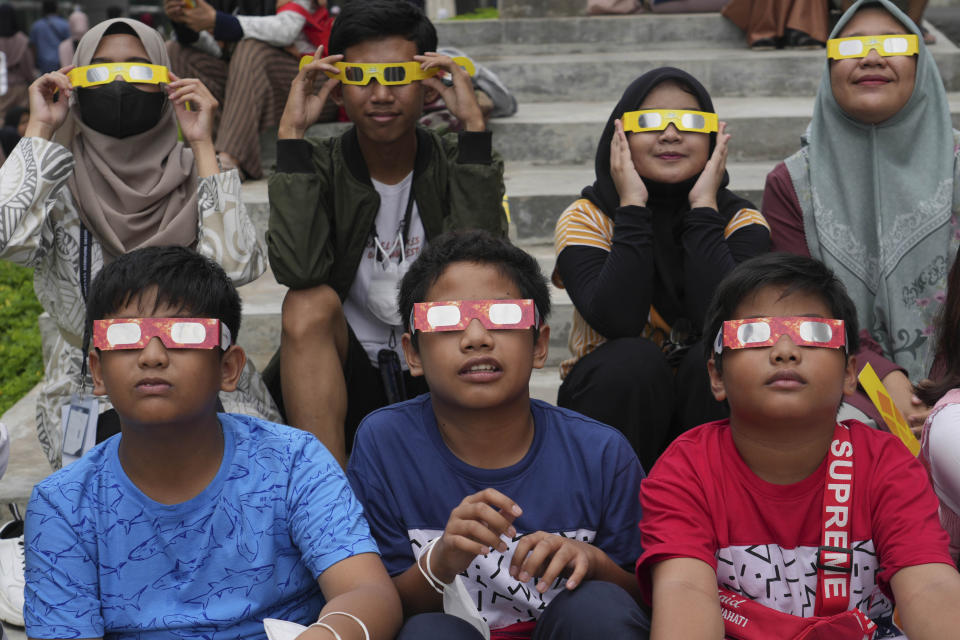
[(460, 99), (49, 97), (474, 529), (304, 103), (548, 556), (704, 192), (626, 180)]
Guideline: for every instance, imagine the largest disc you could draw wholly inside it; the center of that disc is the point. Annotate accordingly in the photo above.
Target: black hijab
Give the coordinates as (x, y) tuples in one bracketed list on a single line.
[(668, 203), (602, 192)]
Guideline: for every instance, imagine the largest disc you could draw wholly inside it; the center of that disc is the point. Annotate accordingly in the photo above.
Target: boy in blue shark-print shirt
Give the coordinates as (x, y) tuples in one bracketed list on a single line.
[(191, 523)]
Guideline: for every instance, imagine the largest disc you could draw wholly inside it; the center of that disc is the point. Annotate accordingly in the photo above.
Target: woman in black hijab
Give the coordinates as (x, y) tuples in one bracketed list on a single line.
[(640, 255)]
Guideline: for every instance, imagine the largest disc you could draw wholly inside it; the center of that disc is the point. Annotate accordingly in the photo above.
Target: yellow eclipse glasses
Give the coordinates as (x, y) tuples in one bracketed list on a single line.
[(859, 47), (96, 74), (386, 73), (660, 119)]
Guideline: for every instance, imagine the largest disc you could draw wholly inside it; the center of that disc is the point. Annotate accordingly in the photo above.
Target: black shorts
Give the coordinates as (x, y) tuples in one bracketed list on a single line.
[(365, 392)]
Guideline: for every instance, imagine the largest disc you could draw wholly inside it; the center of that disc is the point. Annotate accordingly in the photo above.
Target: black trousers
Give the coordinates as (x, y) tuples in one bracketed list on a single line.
[(628, 384), (593, 610)]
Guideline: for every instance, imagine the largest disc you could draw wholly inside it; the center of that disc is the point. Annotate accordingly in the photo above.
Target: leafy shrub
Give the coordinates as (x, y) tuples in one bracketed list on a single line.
[(21, 361)]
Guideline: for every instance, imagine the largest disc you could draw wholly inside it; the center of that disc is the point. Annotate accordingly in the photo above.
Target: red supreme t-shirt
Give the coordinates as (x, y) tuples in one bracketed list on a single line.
[(702, 501)]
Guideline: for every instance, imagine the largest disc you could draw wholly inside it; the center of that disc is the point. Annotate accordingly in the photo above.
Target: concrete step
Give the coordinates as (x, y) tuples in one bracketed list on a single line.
[(549, 76), (596, 33), (765, 128)]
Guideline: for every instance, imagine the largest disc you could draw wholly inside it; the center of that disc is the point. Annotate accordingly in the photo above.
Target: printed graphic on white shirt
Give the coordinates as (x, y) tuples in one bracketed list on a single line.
[(500, 599)]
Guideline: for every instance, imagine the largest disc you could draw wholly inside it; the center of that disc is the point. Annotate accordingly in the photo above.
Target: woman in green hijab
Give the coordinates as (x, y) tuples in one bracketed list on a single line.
[(873, 192)]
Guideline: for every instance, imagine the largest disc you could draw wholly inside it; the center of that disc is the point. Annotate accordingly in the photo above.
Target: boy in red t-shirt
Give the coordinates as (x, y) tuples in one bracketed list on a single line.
[(800, 521)]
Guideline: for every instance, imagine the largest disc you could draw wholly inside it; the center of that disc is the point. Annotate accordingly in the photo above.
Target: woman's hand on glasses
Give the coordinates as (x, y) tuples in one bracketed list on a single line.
[(49, 103)]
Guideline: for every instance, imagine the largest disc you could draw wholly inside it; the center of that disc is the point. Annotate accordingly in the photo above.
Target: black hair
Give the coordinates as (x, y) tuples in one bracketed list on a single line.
[(182, 277), (8, 20), (120, 28), (48, 7), (792, 272), (476, 246), (364, 20)]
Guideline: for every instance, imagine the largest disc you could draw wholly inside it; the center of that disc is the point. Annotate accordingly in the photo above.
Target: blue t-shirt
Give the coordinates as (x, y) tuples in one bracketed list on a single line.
[(46, 34), (580, 478), (103, 559)]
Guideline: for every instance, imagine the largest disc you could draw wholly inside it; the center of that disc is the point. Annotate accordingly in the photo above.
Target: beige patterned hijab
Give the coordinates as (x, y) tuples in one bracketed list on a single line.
[(136, 191)]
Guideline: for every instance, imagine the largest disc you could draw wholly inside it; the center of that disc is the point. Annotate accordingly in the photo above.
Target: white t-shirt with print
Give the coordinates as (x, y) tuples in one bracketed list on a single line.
[(373, 333)]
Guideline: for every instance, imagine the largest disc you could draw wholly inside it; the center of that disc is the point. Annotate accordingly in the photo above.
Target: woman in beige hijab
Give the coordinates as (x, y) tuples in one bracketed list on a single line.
[(100, 172)]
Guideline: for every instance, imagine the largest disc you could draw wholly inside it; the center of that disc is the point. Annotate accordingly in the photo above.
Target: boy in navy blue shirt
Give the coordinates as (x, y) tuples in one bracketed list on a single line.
[(191, 523), (533, 507)]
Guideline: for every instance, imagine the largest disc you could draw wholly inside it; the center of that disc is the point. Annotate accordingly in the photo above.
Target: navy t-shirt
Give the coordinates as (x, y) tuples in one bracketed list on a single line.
[(580, 478)]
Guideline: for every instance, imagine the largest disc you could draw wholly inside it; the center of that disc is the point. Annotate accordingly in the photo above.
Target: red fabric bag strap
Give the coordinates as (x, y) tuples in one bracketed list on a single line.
[(834, 556)]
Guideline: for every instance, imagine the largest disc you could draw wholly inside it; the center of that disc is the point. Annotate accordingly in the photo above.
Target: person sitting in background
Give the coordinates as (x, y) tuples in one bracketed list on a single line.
[(251, 76), (120, 180), (79, 25), (640, 254), (775, 24), (18, 56), (46, 34), (349, 214)]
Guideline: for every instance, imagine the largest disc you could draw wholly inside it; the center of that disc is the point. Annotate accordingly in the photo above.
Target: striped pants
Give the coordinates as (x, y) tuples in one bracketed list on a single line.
[(252, 90)]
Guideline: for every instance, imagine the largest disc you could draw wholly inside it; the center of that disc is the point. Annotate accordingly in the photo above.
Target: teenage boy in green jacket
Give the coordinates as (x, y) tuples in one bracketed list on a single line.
[(348, 215)]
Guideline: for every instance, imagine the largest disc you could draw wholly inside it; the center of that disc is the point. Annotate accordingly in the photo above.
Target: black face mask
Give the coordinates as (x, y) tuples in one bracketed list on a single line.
[(119, 109)]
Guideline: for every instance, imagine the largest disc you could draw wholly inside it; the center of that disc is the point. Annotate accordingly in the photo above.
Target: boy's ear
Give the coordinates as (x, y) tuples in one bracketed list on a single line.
[(336, 94), (541, 346), (850, 376), (96, 373), (716, 381), (412, 355), (231, 366)]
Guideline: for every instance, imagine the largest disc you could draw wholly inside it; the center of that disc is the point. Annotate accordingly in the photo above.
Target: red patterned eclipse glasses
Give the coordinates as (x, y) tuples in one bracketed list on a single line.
[(455, 315), (175, 333), (764, 332)]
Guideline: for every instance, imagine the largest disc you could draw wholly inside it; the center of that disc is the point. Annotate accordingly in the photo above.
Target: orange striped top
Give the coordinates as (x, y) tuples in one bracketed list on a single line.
[(584, 224)]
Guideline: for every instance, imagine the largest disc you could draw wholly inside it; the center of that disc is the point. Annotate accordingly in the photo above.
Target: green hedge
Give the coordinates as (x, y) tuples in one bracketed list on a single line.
[(21, 361)]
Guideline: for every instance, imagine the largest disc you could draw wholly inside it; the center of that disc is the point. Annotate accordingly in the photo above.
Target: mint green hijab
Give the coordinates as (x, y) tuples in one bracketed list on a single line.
[(880, 205)]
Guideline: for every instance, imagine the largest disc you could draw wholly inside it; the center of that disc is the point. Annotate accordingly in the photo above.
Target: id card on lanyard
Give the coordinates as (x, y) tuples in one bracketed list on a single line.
[(78, 419), (744, 619)]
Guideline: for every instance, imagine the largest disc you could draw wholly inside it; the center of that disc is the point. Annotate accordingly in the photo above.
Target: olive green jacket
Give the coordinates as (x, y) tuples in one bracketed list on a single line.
[(323, 205)]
